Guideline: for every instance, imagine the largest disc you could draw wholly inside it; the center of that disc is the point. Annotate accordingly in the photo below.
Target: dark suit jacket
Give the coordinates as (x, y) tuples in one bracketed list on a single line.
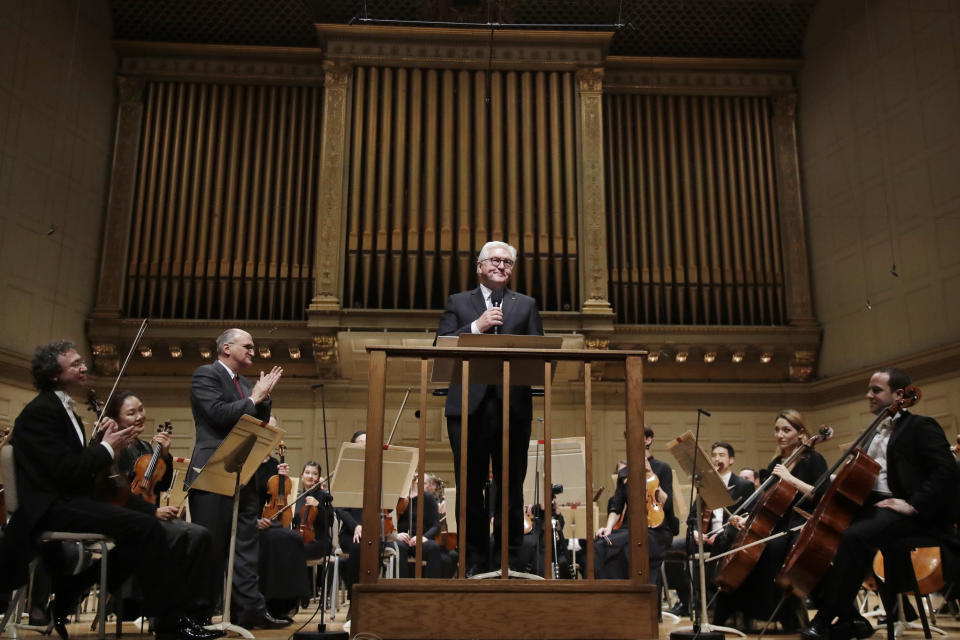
[(51, 464), (921, 469), (520, 317), (738, 488), (216, 408)]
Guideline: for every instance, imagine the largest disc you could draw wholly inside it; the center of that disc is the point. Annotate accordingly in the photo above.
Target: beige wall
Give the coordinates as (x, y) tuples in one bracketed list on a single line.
[(880, 145), (56, 119)]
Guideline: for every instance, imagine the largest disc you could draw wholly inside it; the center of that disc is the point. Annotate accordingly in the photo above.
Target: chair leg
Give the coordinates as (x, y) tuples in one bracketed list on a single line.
[(921, 611), (102, 613)]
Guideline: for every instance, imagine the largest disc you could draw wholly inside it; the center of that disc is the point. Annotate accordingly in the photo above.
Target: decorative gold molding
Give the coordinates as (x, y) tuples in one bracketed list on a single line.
[(191, 62), (123, 172), (793, 235), (700, 76), (593, 223), (463, 48), (328, 257), (106, 361)]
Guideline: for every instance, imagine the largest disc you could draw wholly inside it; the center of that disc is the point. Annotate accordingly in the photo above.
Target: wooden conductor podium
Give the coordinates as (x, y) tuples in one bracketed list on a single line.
[(501, 608)]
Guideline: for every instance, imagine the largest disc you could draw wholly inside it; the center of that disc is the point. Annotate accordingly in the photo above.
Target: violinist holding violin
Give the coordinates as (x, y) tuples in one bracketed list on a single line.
[(189, 543), (281, 547), (612, 543), (757, 596), (915, 493), (312, 513), (406, 523)]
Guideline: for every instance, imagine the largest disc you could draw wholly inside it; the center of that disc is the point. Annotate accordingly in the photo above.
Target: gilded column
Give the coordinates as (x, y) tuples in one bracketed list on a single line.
[(328, 276), (123, 173), (793, 233), (593, 223)]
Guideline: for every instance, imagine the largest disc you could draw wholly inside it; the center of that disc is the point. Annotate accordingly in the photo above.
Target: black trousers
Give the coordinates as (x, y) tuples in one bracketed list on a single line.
[(432, 553), (192, 547), (215, 512), (612, 561), (871, 529), (141, 550), (484, 445)]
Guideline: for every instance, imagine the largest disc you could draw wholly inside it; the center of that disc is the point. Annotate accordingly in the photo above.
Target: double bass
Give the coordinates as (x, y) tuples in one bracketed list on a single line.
[(816, 546), (777, 497)]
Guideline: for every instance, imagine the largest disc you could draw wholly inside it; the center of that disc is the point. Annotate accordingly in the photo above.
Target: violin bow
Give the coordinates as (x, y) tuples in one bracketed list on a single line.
[(113, 389)]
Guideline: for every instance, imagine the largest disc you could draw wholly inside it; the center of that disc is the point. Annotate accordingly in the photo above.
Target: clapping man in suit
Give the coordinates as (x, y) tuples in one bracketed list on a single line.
[(490, 308), (219, 396)]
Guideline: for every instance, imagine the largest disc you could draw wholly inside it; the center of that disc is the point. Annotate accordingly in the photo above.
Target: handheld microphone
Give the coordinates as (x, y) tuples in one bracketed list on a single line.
[(704, 412), (496, 299)]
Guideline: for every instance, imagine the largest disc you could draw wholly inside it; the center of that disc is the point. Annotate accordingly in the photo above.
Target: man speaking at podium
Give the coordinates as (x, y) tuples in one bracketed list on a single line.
[(490, 308)]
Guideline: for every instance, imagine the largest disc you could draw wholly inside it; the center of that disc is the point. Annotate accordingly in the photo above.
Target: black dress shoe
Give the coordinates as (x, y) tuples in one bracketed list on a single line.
[(183, 628), (58, 616), (260, 620), (858, 627), (818, 630)]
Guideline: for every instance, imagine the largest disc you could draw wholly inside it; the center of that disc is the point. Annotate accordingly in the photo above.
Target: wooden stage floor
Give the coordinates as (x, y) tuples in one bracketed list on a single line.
[(81, 630)]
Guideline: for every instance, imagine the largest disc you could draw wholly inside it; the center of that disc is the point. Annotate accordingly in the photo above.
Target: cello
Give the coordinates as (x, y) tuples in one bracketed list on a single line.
[(777, 498), (815, 547)]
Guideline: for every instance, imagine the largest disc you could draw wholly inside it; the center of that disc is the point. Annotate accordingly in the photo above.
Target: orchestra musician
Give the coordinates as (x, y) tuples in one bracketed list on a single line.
[(757, 597), (55, 470), (612, 544), (406, 523), (219, 396), (915, 493), (351, 530), (189, 543), (713, 529), (281, 549), (751, 476), (320, 546), (490, 308)]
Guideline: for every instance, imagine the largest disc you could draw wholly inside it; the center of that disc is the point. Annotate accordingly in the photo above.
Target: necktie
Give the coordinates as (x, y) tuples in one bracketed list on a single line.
[(236, 381)]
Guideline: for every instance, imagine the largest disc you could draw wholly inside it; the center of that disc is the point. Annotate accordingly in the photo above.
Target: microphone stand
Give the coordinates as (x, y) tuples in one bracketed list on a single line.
[(321, 633), (698, 589)]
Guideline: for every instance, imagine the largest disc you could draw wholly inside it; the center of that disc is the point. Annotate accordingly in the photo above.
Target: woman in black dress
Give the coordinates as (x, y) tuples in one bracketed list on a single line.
[(758, 596)]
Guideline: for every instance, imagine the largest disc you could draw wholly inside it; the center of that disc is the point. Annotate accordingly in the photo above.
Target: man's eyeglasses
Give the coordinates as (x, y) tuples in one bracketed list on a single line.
[(506, 262), (247, 347)]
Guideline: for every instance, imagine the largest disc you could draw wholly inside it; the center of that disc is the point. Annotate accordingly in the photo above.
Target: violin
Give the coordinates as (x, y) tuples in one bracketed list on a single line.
[(813, 552), (109, 485), (768, 512), (308, 518), (655, 514), (277, 491), (148, 470)]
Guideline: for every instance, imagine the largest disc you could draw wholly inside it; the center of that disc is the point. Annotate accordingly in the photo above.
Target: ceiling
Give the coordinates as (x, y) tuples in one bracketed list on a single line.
[(682, 28)]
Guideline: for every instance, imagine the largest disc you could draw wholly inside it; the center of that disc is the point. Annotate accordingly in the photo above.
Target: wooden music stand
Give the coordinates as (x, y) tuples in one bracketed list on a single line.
[(230, 467), (711, 491), (495, 609)]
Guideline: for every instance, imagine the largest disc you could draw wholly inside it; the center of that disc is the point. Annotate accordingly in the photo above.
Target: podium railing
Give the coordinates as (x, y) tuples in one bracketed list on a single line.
[(515, 601)]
